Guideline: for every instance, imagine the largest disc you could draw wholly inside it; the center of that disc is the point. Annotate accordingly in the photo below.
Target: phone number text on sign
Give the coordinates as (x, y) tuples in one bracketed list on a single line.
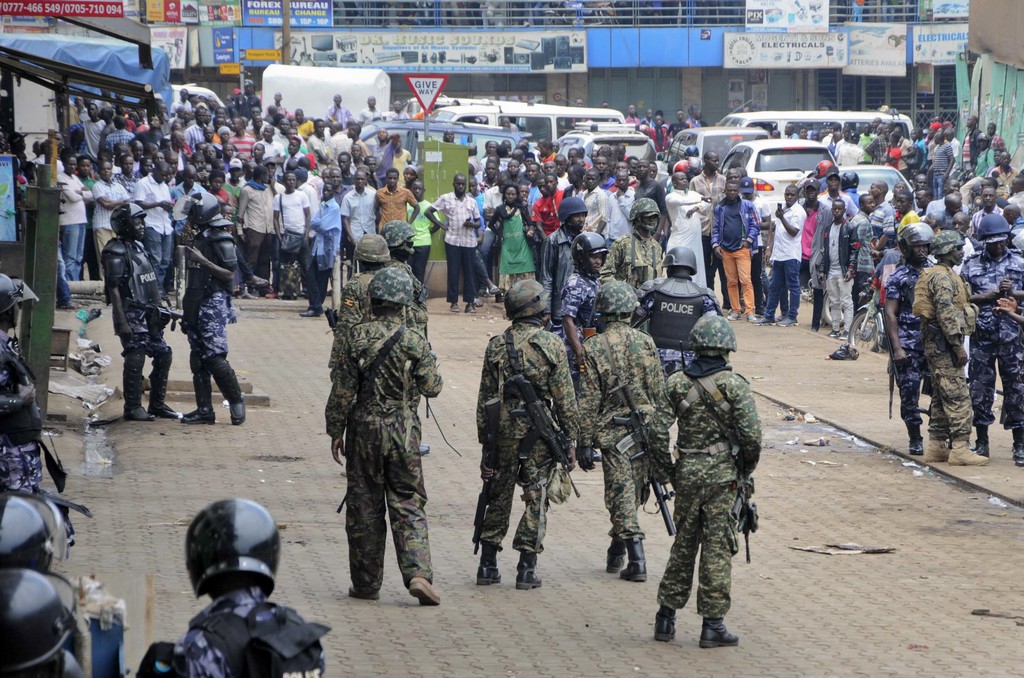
[(103, 9)]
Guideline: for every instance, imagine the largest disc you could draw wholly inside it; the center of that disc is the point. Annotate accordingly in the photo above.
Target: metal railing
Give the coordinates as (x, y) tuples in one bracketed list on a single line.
[(491, 14)]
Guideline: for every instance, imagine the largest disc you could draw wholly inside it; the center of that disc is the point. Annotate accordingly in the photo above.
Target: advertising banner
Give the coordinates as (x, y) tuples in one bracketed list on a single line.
[(88, 8), (443, 52), (8, 217), (223, 45), (782, 16), (789, 50), (878, 49), (220, 13), (950, 9), (173, 41), (304, 13), (163, 11), (939, 44)]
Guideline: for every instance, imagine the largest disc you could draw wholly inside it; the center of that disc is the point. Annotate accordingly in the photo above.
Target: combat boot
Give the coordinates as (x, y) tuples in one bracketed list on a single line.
[(227, 382), (423, 591), (488, 573), (203, 414), (961, 455), (616, 556), (981, 443), (936, 450), (916, 447), (527, 578), (1018, 446), (132, 387), (158, 389), (714, 634), (665, 624), (637, 568)]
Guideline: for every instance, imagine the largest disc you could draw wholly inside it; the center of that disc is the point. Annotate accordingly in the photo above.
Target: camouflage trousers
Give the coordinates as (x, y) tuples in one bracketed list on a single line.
[(209, 337), (625, 489), (909, 379), (385, 471), (1009, 359), (510, 471), (21, 466), (704, 520), (950, 416)]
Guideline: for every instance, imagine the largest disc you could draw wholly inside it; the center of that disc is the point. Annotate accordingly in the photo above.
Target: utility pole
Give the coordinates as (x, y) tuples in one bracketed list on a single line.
[(286, 31)]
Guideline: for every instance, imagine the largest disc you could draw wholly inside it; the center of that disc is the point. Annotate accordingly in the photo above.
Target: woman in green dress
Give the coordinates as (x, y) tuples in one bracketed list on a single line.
[(514, 229)]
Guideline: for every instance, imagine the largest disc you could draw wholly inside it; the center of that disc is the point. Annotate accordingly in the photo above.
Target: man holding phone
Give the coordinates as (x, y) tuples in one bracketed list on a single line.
[(784, 285)]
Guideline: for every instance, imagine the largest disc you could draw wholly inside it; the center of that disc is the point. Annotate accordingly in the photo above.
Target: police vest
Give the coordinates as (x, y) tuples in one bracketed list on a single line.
[(129, 266), (675, 308), (25, 425)]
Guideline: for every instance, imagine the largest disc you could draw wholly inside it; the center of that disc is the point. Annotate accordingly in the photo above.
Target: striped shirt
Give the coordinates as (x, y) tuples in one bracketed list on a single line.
[(111, 191), (942, 159), (243, 145), (456, 213)]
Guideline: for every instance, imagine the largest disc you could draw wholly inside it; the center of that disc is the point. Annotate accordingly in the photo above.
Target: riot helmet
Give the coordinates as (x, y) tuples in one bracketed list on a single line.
[(993, 228), (14, 291), (32, 532), (680, 260), (392, 285), (122, 220), (848, 180), (204, 210), (570, 206), (584, 246), (912, 235), (34, 623), (232, 536), (526, 299)]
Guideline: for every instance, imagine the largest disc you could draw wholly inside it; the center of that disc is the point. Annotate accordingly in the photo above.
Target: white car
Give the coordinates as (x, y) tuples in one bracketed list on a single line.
[(869, 174), (636, 143), (209, 94), (774, 164)]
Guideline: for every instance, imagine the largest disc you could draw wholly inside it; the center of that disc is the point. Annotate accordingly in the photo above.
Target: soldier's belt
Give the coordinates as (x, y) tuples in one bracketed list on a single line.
[(717, 448)]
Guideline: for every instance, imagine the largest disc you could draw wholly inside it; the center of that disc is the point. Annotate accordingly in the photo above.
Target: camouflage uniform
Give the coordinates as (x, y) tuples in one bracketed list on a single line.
[(381, 431), (623, 355), (633, 261), (578, 298), (355, 308), (542, 357), (704, 480), (416, 313), (996, 342), (900, 287)]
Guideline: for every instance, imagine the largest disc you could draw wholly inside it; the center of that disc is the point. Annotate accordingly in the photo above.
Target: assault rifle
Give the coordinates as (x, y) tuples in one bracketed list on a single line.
[(744, 510), (492, 408), (639, 436), (543, 427), (161, 314)]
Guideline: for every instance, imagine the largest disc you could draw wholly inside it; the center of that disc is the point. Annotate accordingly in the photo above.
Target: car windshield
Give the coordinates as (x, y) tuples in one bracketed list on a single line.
[(869, 175), (723, 143), (635, 146), (790, 159)]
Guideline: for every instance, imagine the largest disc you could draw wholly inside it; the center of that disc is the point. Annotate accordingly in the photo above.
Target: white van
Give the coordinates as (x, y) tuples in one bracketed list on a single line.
[(312, 89), (540, 120), (817, 123)]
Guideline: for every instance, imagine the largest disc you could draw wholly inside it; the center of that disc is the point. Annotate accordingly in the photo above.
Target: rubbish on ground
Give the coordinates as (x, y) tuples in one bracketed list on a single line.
[(820, 442), (89, 362), (917, 474), (999, 615), (916, 647), (73, 386), (86, 316), (794, 441), (844, 549), (810, 418), (996, 501), (823, 463), (789, 417), (911, 464), (808, 461)]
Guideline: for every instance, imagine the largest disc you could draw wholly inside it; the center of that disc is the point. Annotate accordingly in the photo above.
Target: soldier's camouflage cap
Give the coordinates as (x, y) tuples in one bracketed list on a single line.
[(712, 334), (616, 297), (643, 206), (526, 298), (396, 233), (393, 285)]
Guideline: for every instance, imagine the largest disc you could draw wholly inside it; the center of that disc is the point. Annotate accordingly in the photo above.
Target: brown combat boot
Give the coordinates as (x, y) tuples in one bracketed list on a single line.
[(936, 450), (961, 455), (423, 590)]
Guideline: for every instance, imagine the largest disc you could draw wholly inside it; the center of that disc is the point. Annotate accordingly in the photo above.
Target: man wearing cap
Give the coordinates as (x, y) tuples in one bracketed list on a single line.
[(833, 182), (993, 273)]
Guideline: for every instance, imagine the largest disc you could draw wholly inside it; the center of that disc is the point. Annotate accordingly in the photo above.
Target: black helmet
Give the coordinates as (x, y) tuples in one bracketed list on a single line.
[(33, 622), (849, 180), (32, 532), (584, 245), (14, 291), (233, 535), (570, 206), (204, 210), (122, 217), (680, 257)]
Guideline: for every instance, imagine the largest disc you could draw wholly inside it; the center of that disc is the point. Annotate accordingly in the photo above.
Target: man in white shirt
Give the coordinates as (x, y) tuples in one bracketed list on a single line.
[(153, 195), (848, 151), (620, 202), (272, 150), (370, 113), (358, 216), (596, 200), (784, 286), (73, 220)]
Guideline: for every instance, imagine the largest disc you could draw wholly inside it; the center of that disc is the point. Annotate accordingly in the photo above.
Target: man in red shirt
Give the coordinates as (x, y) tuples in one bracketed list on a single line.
[(545, 209)]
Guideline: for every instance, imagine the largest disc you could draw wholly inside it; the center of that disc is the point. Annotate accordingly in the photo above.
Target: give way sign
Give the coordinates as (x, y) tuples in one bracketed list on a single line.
[(426, 88)]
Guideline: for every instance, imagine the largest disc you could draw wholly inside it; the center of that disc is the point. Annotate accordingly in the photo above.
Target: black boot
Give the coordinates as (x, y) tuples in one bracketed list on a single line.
[(616, 556), (132, 387), (227, 382), (1018, 446), (158, 388), (916, 447), (203, 414), (527, 578), (981, 444), (714, 634), (637, 568), (665, 624), (487, 573)]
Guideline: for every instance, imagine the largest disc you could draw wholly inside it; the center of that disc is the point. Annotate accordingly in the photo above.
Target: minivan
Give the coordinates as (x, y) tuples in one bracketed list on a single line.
[(817, 123), (718, 140), (542, 121)]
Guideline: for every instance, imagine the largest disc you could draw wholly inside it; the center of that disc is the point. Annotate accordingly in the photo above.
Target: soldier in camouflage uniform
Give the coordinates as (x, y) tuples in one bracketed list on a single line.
[(942, 302), (620, 356), (372, 254), (719, 442), (373, 425), (542, 358), (579, 296), (399, 236), (904, 328), (993, 273), (634, 259)]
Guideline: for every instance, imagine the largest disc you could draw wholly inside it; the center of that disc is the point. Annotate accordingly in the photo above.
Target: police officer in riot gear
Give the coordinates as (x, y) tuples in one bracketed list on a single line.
[(34, 625), (210, 267), (671, 306), (135, 293), (33, 532)]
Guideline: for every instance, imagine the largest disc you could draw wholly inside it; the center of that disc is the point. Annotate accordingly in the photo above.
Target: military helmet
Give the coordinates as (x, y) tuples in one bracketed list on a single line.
[(680, 257), (204, 210), (641, 207), (945, 242), (398, 234), (373, 249), (526, 298), (584, 245), (393, 285), (570, 206), (993, 228), (32, 532), (712, 334), (616, 297), (14, 291), (122, 217), (232, 536), (914, 234), (34, 623)]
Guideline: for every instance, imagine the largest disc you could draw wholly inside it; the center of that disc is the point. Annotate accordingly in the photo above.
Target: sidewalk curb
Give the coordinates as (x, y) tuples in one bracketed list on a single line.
[(963, 483)]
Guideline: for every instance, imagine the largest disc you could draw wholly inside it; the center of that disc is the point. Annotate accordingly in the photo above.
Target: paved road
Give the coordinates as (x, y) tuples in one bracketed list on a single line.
[(798, 613)]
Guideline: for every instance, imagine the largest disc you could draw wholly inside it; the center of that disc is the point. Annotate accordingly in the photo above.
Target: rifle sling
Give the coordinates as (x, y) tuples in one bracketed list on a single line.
[(710, 394), (382, 355)]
